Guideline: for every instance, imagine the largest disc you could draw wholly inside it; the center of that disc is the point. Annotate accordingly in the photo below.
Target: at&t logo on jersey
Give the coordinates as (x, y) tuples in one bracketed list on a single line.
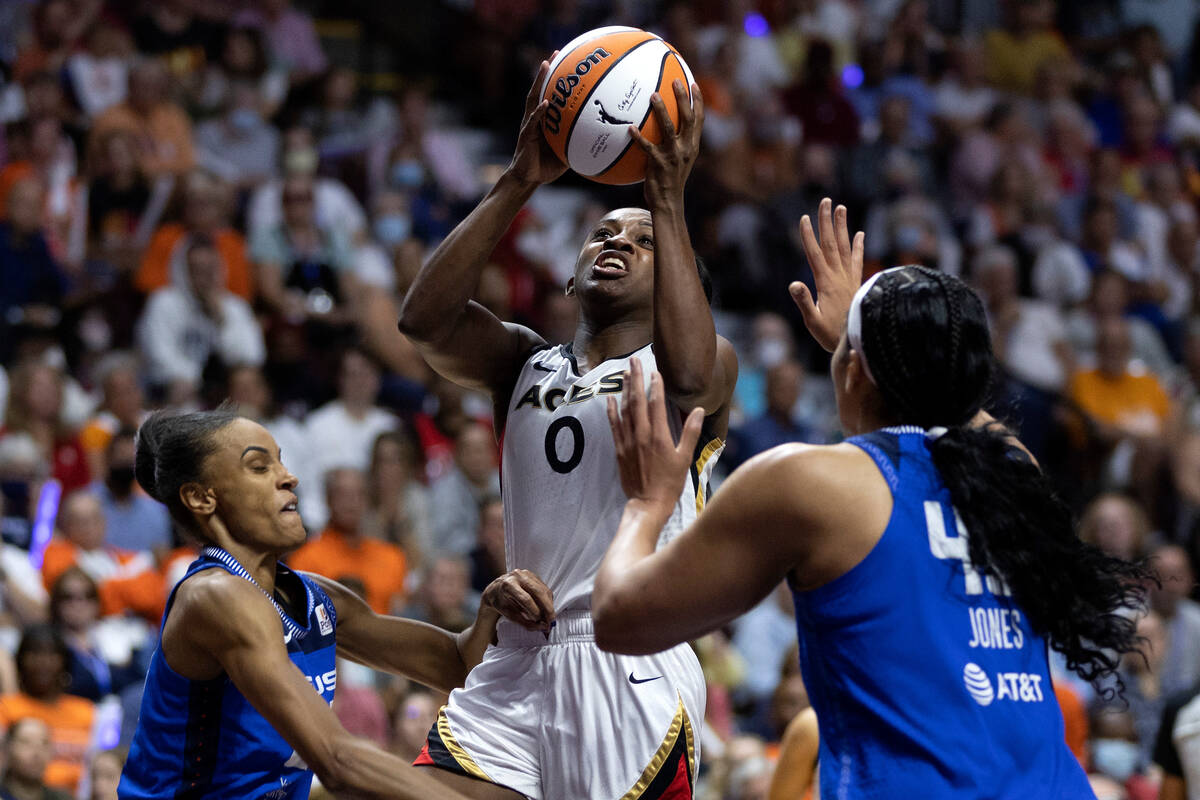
[(1020, 687)]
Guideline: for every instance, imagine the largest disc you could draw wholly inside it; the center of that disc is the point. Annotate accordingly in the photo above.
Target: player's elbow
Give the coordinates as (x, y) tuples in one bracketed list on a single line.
[(615, 628), (414, 323)]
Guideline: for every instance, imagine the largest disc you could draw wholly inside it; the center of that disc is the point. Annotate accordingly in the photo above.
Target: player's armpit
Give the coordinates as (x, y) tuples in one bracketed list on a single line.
[(714, 397)]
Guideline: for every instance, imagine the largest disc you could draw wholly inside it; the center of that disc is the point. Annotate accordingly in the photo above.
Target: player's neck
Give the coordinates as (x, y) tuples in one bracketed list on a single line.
[(261, 566), (594, 344)]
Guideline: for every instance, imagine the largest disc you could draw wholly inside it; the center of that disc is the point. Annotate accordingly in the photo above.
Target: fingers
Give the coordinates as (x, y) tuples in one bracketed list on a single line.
[(803, 299), (539, 592), (697, 112), (535, 91), (856, 256), (825, 226), (842, 233), (638, 413), (687, 115), (816, 259), (691, 432), (645, 143), (663, 116)]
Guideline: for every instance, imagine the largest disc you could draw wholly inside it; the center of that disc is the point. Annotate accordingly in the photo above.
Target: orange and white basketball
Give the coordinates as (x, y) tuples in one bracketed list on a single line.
[(599, 85)]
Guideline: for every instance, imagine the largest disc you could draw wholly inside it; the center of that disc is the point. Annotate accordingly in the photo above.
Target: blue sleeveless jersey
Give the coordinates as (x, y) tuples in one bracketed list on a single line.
[(928, 680), (203, 739)]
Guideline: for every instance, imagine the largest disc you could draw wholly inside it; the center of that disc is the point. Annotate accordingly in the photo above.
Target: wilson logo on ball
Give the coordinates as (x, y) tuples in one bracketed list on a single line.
[(599, 86), (566, 84)]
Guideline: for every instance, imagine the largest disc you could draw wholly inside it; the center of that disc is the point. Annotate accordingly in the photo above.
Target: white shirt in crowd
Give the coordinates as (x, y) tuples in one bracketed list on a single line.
[(335, 439), (177, 337)]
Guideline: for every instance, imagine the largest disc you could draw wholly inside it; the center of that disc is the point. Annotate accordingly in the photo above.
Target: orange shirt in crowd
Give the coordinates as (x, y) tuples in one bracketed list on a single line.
[(70, 721), (1075, 721), (164, 137), (379, 565), (1132, 401), (155, 270), (127, 581)]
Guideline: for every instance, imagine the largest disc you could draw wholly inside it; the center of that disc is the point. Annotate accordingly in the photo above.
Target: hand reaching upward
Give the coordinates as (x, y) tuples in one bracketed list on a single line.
[(837, 266)]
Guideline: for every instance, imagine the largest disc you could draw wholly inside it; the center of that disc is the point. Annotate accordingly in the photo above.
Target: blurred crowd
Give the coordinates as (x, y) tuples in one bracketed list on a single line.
[(228, 198)]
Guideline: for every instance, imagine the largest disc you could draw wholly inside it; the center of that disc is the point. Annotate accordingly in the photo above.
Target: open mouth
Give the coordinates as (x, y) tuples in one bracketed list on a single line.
[(290, 508), (610, 265)]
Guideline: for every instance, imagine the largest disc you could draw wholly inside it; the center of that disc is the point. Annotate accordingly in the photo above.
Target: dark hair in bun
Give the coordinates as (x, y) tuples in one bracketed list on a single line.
[(171, 449)]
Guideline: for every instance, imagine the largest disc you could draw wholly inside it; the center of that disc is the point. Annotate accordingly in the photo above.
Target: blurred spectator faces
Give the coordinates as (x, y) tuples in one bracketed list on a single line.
[(415, 716), (26, 207), (1175, 576), (358, 380), (475, 454), (27, 750), (346, 497), (393, 222), (1117, 525), (81, 520)]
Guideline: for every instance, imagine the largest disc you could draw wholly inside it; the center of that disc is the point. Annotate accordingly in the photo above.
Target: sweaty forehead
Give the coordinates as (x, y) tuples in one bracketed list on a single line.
[(627, 216)]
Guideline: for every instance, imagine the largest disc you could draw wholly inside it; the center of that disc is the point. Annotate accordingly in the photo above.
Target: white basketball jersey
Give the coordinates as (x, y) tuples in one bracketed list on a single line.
[(562, 493)]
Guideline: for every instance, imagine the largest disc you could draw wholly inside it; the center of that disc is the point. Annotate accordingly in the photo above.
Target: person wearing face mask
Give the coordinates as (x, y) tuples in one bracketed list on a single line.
[(1115, 754), (239, 146), (134, 521)]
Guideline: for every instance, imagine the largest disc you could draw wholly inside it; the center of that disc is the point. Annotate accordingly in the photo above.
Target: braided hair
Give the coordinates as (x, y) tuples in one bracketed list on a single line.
[(925, 337)]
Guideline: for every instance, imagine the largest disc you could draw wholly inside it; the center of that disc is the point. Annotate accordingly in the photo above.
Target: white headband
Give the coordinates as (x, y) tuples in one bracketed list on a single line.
[(854, 320)]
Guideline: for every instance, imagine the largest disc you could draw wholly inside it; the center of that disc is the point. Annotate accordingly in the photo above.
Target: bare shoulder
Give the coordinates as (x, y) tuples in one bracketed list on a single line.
[(810, 478), (216, 605)]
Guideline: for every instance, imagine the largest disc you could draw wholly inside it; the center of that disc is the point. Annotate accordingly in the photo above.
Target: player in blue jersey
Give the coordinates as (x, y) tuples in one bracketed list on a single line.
[(237, 697), (931, 564)]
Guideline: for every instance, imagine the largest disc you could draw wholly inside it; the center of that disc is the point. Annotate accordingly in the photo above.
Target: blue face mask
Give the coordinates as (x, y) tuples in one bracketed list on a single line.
[(1116, 758), (407, 174), (244, 119), (391, 229)]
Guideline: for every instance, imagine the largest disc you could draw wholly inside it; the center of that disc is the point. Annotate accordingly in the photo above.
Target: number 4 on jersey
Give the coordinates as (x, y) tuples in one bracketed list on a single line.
[(955, 548)]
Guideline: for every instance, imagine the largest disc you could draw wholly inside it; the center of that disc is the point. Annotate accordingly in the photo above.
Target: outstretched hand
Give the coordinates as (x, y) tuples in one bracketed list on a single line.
[(521, 597), (534, 162), (651, 465), (669, 162), (837, 266)]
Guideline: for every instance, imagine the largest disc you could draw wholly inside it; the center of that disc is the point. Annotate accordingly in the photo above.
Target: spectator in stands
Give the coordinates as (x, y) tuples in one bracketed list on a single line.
[(1143, 684), (123, 205), (304, 272), (397, 502), (240, 146), (185, 325), (445, 598), (105, 773), (487, 558), (963, 98), (1015, 53), (50, 157), (35, 407), (1117, 524), (206, 210), (161, 128), (777, 424), (103, 652), (127, 581), (98, 76), (341, 432), (27, 753), (1177, 747), (134, 521), (1181, 615), (178, 35), (33, 284), (123, 405), (57, 26), (342, 550), (1126, 403), (1107, 300), (1117, 755), (336, 208), (764, 636), (42, 660), (242, 57), (290, 34), (455, 497), (414, 717)]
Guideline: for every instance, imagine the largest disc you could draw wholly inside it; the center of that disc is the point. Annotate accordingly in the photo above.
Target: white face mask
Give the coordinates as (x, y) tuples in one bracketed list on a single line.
[(1116, 758)]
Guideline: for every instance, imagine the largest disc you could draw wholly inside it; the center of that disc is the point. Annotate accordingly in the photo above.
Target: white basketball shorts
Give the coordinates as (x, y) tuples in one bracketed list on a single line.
[(557, 717)]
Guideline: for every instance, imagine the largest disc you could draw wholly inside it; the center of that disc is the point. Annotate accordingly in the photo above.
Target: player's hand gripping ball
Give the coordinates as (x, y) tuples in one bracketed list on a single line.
[(599, 85)]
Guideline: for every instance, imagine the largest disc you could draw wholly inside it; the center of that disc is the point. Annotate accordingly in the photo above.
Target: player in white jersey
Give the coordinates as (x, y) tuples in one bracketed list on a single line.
[(548, 715)]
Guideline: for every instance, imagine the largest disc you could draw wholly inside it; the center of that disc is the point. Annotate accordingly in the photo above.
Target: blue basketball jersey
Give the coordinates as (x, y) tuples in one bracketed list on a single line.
[(203, 739), (927, 679)]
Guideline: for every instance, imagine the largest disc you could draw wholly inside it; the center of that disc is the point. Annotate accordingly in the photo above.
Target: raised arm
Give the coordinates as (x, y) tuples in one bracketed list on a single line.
[(461, 339), (223, 619), (429, 655), (756, 531), (698, 367)]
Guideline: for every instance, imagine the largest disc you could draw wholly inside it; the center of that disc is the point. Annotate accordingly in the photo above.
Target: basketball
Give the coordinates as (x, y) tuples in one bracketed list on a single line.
[(600, 84)]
